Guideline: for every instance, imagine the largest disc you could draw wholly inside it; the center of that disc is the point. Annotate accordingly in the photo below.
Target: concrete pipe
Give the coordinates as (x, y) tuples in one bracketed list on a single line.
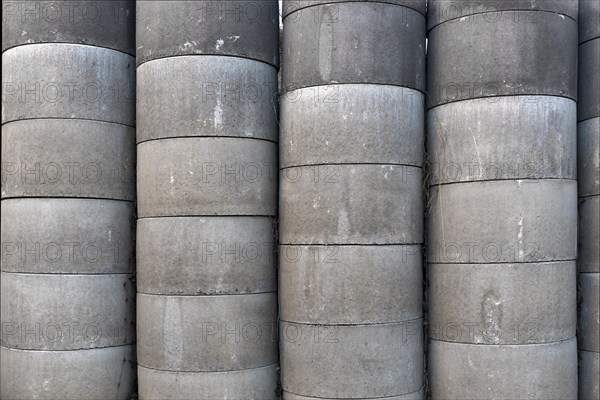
[(68, 168)]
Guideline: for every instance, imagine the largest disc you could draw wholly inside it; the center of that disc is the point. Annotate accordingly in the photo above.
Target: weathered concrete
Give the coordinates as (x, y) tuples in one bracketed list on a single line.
[(108, 24), (206, 96), (588, 151), (439, 11), (303, 6), (77, 81), (420, 395), (38, 311), (246, 29), (589, 23), (502, 303), (350, 204), (68, 158), (254, 383), (361, 361), (327, 49), (106, 373), (207, 333), (503, 53), (589, 234), (67, 236), (350, 284), (589, 80), (513, 137), (589, 370), (215, 255), (503, 222), (374, 124), (207, 176), (589, 314), (537, 371)]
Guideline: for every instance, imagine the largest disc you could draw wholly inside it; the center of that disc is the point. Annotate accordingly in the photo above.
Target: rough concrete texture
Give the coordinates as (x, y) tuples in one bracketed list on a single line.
[(589, 287), (537, 371), (207, 333), (502, 303), (200, 256), (503, 221), (62, 158), (39, 311), (304, 6), (67, 236), (512, 137), (439, 11), (254, 383), (420, 395), (589, 23), (77, 81), (589, 234), (350, 284), (106, 373), (352, 362), (502, 53), (328, 48), (588, 152), (246, 29), (206, 96), (589, 80), (207, 176), (374, 124), (350, 204), (589, 370), (108, 24)]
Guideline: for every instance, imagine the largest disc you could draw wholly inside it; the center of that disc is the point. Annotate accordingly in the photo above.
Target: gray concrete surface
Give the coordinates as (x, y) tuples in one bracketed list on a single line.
[(67, 236), (207, 176), (478, 56), (207, 333), (360, 361), (503, 221), (352, 123), (254, 383), (109, 24), (39, 311), (420, 395), (206, 96), (589, 24), (589, 234), (82, 82), (588, 151), (304, 6), (247, 29), (345, 285), (328, 49), (206, 256), (589, 314), (512, 137), (62, 158), (106, 373), (470, 371), (350, 204), (439, 11), (589, 369), (502, 303), (589, 80)]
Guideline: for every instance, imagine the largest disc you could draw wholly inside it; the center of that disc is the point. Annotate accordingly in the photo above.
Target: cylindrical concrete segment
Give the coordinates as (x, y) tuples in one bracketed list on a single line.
[(68, 192), (588, 158), (102, 373), (502, 217), (420, 395), (207, 195), (351, 230)]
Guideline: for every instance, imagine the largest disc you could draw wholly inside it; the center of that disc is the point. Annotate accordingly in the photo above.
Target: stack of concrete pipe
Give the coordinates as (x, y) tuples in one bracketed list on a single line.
[(502, 230), (68, 187), (207, 198), (588, 142), (351, 199)]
